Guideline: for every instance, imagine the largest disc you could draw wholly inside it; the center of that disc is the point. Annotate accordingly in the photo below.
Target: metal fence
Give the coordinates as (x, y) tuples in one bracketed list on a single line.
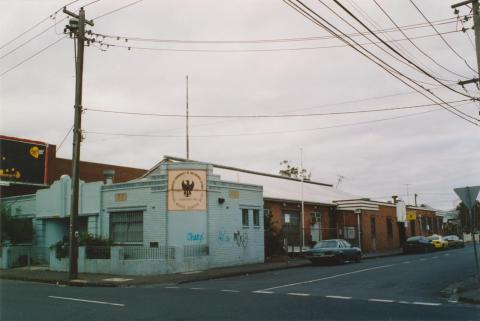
[(146, 253), (26, 255), (97, 252), (195, 250)]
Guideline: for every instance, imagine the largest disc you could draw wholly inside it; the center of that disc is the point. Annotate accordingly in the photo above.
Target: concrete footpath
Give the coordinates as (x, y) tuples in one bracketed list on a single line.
[(42, 274)]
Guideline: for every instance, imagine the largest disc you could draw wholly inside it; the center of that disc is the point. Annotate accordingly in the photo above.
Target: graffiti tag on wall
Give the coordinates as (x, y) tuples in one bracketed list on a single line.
[(241, 239), (195, 237), (223, 237)]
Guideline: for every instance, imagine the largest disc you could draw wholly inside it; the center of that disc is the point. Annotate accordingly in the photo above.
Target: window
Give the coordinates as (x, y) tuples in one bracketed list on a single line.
[(126, 227), (389, 228), (245, 217), (256, 218)]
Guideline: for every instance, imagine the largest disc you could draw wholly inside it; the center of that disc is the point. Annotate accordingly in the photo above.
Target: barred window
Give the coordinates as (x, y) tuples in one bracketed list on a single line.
[(256, 218), (245, 217), (126, 227)]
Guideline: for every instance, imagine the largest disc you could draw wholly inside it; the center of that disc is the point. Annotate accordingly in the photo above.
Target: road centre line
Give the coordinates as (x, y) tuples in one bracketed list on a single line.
[(381, 300), (263, 292), (299, 294), (172, 287), (426, 303), (87, 301), (338, 297), (328, 277), (407, 262), (197, 288), (231, 291)]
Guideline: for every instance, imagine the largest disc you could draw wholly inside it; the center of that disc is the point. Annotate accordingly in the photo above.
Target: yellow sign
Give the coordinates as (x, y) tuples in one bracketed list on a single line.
[(233, 193), (411, 216), (34, 151), (120, 197), (187, 190)]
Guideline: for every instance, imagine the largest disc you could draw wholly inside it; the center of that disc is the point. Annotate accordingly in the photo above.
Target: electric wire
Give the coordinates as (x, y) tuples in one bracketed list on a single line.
[(116, 10), (32, 56), (63, 139), (415, 45), (443, 38), (106, 45), (369, 56), (268, 132), (253, 41), (397, 45), (405, 62), (399, 54), (270, 115), (36, 24), (420, 69)]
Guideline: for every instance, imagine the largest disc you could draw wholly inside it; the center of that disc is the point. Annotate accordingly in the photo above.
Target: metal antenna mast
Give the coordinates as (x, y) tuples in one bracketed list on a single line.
[(188, 143)]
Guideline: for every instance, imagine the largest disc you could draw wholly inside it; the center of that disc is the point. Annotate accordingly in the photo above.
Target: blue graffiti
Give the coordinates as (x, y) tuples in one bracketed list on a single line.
[(195, 237), (223, 237)]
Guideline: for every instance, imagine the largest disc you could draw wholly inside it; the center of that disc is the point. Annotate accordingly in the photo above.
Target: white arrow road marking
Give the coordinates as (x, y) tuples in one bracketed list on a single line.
[(327, 278), (87, 301)]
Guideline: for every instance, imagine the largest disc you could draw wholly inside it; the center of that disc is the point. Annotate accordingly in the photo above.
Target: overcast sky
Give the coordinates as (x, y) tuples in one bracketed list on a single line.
[(432, 152)]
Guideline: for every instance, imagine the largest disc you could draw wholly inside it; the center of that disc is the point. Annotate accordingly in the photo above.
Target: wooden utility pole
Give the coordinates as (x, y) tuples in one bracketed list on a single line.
[(476, 28), (77, 28)]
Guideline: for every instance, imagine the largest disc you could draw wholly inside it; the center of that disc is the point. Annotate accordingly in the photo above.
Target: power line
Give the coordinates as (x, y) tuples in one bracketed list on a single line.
[(402, 56), (36, 24), (269, 132), (116, 10), (32, 38), (366, 53), (32, 56), (271, 116), (106, 45), (420, 69), (64, 138), (410, 40), (254, 41), (407, 63), (443, 38)]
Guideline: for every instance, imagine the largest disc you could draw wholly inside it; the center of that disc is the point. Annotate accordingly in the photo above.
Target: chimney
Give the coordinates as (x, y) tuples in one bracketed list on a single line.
[(395, 201), (109, 174)]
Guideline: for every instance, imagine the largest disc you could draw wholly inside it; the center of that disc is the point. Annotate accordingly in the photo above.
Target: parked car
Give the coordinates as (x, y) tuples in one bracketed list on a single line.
[(454, 241), (335, 250), (438, 242), (418, 244)]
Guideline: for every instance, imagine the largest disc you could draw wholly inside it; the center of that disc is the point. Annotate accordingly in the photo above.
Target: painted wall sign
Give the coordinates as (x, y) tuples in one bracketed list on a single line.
[(22, 161), (120, 197), (187, 190), (233, 193)]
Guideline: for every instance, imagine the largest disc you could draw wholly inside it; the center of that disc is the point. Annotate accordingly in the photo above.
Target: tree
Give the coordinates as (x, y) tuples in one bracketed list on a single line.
[(465, 217), (273, 238), (293, 171)]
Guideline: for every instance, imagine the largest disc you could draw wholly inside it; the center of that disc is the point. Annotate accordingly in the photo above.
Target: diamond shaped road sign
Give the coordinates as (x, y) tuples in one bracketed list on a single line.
[(468, 194)]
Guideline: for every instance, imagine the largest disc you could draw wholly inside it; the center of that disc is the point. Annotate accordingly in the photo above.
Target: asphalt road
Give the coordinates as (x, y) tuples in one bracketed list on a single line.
[(394, 288)]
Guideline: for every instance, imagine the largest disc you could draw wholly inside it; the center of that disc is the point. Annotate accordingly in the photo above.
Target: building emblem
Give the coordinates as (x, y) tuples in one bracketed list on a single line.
[(187, 190)]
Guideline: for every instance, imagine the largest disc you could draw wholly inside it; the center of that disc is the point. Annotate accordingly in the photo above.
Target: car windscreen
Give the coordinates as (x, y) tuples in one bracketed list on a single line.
[(326, 244), (434, 237), (415, 238)]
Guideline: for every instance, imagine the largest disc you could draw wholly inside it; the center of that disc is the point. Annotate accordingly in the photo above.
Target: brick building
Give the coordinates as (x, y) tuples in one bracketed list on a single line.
[(15, 153)]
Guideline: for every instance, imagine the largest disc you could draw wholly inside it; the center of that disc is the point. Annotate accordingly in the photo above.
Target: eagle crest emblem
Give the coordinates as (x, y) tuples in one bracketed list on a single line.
[(187, 187)]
